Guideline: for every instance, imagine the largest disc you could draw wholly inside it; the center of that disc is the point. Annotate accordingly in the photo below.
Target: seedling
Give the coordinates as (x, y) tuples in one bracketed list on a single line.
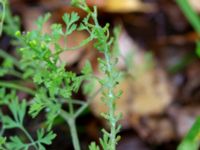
[(40, 64)]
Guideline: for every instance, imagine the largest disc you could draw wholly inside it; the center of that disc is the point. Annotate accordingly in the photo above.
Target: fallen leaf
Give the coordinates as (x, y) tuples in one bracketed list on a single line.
[(72, 56), (30, 15), (155, 129), (183, 118), (129, 142), (195, 4), (125, 6)]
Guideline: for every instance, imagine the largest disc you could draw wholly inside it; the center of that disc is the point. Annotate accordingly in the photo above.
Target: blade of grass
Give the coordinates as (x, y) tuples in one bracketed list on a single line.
[(192, 139), (191, 15)]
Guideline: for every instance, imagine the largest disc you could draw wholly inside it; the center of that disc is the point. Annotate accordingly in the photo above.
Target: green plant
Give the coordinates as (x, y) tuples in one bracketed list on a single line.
[(192, 17), (191, 141), (41, 65), (2, 15)]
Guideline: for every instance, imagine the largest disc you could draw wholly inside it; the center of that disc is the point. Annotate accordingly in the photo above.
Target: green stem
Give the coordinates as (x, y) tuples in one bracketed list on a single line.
[(9, 20), (3, 16), (74, 134), (191, 15), (2, 131), (29, 137), (111, 102), (78, 102), (84, 106), (7, 56), (72, 126), (71, 117), (65, 115), (71, 107), (84, 42), (15, 73), (112, 122), (74, 101), (17, 87)]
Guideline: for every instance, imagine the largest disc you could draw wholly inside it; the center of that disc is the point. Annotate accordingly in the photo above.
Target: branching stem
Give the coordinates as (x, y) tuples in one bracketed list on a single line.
[(17, 87), (69, 118), (29, 137)]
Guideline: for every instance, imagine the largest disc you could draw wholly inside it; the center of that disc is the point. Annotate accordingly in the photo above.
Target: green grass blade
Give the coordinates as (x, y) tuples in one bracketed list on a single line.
[(192, 139), (191, 15)]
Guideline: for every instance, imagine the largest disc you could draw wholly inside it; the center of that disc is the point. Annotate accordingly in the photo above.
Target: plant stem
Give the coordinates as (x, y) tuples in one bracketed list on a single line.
[(84, 106), (191, 15), (2, 131), (71, 107), (2, 16), (15, 73), (28, 136), (65, 115), (18, 87), (74, 101), (111, 102), (112, 123), (9, 20), (72, 126), (74, 134), (7, 56), (70, 118), (73, 48)]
